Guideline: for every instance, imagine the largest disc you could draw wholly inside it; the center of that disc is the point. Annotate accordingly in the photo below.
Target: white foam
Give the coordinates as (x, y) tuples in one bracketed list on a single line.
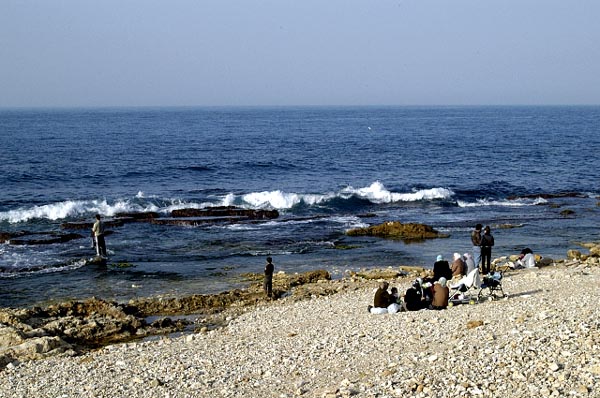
[(277, 199), (377, 193), (73, 208), (502, 203), (282, 200)]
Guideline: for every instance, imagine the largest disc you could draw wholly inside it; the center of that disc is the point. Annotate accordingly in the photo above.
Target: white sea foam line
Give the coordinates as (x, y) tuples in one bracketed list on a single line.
[(502, 203), (376, 193)]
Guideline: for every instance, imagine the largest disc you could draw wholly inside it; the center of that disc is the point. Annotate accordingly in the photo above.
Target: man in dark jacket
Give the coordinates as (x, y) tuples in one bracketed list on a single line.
[(269, 269)]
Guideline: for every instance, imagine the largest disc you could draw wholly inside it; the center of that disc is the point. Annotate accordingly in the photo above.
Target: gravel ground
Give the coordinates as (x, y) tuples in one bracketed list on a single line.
[(542, 340)]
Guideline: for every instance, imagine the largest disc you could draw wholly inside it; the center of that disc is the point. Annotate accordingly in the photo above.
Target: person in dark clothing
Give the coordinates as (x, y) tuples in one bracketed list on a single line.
[(382, 298), (487, 241), (441, 268), (268, 285), (413, 298)]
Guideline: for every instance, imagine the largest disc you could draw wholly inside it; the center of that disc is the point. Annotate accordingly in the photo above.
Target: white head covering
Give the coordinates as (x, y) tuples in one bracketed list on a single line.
[(457, 256), (442, 281)]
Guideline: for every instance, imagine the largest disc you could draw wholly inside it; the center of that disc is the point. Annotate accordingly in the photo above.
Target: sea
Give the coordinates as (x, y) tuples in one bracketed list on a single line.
[(529, 172)]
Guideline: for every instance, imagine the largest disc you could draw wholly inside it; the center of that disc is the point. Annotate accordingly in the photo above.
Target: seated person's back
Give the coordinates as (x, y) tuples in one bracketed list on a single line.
[(382, 298), (440, 294), (412, 298), (441, 269)]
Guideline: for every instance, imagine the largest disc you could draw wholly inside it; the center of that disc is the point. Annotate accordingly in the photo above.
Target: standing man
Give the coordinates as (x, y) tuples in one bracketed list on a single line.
[(98, 232), (487, 241), (476, 240), (269, 269)]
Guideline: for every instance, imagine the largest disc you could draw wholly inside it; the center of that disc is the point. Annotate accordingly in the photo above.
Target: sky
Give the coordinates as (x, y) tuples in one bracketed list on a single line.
[(84, 53)]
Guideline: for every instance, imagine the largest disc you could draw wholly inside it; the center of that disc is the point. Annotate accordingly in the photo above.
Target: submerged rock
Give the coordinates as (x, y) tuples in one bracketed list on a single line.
[(398, 230), (36, 238)]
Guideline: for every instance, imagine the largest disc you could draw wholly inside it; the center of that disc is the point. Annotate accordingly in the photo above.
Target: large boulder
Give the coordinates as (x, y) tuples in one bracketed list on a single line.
[(398, 230)]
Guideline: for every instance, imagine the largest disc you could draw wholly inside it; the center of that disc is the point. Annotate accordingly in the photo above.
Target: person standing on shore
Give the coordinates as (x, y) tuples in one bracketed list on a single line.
[(98, 232), (269, 269), (487, 241), (476, 240)]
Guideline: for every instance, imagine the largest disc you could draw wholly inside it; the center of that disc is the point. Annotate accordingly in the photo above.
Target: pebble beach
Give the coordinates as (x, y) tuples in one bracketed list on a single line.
[(541, 340)]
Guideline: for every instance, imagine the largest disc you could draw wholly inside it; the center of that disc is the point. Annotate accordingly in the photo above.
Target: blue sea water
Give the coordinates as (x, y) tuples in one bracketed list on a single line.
[(323, 168)]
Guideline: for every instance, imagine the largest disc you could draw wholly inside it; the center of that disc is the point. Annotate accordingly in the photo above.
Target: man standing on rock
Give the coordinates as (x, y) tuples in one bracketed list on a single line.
[(269, 269), (98, 232), (476, 240)]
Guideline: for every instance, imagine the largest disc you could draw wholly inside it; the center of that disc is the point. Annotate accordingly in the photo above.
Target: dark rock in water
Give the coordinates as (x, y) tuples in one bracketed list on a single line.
[(567, 212), (397, 230), (549, 195), (89, 224), (44, 240), (145, 216), (193, 221), (6, 236), (96, 261), (224, 211)]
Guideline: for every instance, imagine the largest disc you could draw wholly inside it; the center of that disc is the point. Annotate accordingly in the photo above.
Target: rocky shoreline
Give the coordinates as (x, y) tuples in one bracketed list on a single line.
[(318, 340)]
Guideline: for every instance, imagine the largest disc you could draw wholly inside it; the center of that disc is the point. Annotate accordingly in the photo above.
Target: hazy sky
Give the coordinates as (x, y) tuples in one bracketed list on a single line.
[(301, 52)]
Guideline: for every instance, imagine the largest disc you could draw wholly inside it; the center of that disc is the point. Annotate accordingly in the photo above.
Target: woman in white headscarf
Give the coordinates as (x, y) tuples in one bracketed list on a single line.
[(441, 294), (469, 262), (458, 266)]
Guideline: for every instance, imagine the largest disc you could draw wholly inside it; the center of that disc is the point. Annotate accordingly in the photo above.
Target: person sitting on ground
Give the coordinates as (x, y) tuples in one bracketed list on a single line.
[(441, 268), (458, 266), (382, 300), (526, 258), (413, 297), (469, 262), (394, 295), (440, 295)]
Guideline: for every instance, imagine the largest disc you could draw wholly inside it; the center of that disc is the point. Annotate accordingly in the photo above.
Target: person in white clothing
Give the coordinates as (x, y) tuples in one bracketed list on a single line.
[(98, 233)]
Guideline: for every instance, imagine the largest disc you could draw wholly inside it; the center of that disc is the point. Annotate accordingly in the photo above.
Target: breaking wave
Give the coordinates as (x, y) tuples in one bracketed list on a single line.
[(375, 193)]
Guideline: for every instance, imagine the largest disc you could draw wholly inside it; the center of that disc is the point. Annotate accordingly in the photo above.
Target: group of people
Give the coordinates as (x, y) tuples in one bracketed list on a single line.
[(423, 294), (482, 247), (433, 293)]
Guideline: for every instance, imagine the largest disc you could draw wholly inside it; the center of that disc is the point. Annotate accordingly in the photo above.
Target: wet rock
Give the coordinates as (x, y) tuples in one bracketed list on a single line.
[(398, 230), (573, 254), (138, 216), (87, 225), (226, 211), (567, 212), (45, 239), (379, 274), (549, 196), (195, 221)]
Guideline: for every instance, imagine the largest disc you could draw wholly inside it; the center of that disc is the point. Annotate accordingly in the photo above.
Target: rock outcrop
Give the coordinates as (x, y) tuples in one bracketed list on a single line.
[(77, 326), (398, 230)]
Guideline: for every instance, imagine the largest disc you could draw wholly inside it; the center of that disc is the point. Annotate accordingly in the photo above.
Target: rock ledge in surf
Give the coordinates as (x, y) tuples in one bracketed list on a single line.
[(398, 230)]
